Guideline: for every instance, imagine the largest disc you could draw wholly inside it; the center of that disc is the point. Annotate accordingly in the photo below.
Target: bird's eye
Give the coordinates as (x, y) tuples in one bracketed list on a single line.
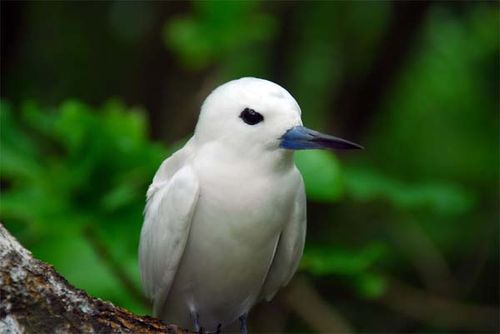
[(251, 117)]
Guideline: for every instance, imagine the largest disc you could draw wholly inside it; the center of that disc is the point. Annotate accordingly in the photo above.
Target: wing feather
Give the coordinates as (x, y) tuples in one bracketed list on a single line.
[(169, 211), (289, 248)]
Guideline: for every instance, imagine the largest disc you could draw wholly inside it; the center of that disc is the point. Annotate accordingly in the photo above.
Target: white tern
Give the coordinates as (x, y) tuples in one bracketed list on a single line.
[(225, 219)]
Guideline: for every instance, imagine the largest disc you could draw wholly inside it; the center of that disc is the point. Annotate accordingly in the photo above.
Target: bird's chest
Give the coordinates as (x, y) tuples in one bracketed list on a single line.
[(244, 203)]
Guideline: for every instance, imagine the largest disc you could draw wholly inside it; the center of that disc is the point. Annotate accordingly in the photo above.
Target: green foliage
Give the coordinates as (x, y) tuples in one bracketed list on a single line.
[(437, 130), (321, 173), (322, 57), (217, 30), (441, 119), (72, 168), (355, 266), (370, 285), (439, 197), (327, 260), (425, 186)]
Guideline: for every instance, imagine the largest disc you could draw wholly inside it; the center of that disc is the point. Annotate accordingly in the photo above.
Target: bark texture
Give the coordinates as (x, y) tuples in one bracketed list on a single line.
[(34, 298)]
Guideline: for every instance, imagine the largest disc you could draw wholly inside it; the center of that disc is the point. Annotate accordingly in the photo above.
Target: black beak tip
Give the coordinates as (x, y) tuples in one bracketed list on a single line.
[(358, 147), (349, 146), (339, 143)]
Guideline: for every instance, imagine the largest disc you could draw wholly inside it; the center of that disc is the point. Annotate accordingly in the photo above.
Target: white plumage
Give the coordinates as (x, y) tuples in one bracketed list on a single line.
[(225, 219)]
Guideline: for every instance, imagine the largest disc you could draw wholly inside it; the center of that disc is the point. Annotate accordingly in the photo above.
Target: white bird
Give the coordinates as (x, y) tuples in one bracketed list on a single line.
[(225, 220)]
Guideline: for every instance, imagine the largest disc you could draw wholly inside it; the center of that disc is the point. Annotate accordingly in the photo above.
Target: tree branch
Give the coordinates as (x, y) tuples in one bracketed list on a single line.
[(34, 298)]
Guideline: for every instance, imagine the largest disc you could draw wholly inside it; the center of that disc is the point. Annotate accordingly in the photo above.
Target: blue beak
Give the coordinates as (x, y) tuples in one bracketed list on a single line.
[(302, 138)]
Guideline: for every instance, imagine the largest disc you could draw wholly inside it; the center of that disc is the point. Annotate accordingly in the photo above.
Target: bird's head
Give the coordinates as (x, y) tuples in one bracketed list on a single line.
[(256, 115)]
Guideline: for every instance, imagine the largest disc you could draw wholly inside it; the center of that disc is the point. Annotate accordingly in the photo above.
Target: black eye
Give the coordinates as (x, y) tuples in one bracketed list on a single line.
[(251, 117)]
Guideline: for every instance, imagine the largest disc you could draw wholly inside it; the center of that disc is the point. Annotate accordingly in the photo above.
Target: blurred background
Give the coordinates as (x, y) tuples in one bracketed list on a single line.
[(402, 237)]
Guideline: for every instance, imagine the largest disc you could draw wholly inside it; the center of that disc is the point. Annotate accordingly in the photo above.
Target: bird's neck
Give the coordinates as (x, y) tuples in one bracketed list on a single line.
[(272, 160)]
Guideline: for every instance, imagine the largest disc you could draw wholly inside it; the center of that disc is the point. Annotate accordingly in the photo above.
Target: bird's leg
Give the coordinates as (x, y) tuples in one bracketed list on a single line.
[(219, 331), (196, 321), (243, 324)]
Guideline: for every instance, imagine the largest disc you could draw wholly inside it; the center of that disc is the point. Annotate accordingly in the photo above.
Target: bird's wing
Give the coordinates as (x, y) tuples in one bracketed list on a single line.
[(171, 201), (289, 248)]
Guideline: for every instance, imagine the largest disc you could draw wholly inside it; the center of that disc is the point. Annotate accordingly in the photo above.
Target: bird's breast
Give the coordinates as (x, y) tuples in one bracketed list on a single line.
[(238, 218), (244, 201)]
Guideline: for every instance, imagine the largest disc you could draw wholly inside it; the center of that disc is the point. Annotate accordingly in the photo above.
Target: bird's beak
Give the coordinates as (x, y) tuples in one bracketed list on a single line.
[(302, 138)]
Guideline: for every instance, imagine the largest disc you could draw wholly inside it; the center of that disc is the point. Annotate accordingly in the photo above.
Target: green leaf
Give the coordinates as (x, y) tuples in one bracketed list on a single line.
[(441, 197), (72, 166), (328, 260), (322, 175), (216, 30), (370, 285), (38, 118), (73, 124), (120, 196), (185, 38)]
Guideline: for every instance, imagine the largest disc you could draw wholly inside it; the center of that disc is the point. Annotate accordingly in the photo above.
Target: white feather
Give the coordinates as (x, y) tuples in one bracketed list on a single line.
[(289, 248), (225, 218), (171, 201)]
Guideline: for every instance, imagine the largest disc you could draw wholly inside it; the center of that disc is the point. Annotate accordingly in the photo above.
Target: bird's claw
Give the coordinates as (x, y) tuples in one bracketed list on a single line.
[(217, 331)]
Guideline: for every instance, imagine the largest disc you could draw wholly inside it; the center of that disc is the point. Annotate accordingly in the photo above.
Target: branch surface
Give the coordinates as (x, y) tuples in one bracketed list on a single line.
[(34, 298)]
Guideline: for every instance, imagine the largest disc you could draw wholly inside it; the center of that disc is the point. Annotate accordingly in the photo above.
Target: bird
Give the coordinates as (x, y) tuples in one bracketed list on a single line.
[(225, 217)]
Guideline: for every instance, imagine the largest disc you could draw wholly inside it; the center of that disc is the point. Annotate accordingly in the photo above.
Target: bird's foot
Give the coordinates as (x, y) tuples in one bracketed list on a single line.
[(196, 322), (243, 324), (217, 331), (200, 330)]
